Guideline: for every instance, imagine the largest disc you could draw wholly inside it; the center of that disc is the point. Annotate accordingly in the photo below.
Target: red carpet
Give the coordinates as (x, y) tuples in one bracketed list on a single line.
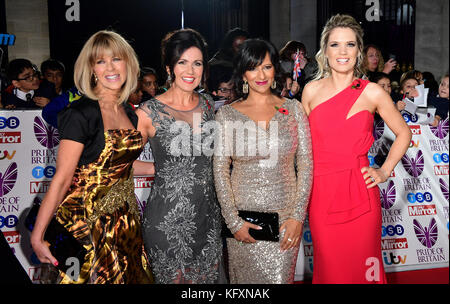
[(428, 276)]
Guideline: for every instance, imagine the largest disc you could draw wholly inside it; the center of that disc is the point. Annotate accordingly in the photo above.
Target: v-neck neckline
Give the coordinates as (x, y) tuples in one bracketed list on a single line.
[(267, 122)]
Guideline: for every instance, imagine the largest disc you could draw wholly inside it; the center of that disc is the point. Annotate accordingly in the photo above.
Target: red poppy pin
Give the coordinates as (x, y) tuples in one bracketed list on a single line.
[(282, 110), (357, 85), (209, 106)]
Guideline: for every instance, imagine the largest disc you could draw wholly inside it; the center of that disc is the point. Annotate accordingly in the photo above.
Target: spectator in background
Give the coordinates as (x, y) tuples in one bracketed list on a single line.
[(308, 66), (440, 101), (383, 80), (220, 84), (416, 74), (3, 85), (373, 61), (135, 97), (408, 85), (229, 48), (26, 91), (149, 83), (290, 87), (443, 87), (53, 71), (430, 82)]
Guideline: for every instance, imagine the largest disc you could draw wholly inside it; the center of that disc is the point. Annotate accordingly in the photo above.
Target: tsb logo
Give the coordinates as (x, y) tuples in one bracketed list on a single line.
[(410, 117), (11, 122), (440, 158), (40, 172), (9, 222), (392, 230), (420, 197)]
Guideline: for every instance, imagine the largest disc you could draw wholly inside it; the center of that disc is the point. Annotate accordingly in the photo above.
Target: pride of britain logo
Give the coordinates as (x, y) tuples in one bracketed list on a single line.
[(444, 188), (414, 165), (8, 179), (427, 235), (45, 134), (441, 131), (388, 196), (378, 129)]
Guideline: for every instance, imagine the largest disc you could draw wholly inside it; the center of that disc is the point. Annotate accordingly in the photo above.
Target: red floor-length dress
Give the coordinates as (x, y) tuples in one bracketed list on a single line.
[(345, 216)]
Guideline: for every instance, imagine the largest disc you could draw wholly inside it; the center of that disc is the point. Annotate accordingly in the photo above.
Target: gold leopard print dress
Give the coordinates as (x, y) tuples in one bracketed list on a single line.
[(101, 212)]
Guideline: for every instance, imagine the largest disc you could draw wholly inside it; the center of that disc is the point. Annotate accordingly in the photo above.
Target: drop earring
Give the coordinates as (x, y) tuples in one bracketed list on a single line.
[(274, 85), (245, 87), (95, 78)]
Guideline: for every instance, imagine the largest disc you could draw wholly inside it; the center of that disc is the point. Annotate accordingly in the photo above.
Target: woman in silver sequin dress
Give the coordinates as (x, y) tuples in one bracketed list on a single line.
[(272, 136)]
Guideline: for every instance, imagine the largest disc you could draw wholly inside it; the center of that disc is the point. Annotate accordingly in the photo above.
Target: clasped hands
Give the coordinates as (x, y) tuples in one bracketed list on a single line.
[(292, 236)]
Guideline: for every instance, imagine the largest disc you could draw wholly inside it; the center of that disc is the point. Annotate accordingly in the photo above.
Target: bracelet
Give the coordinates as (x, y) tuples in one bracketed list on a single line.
[(290, 94)]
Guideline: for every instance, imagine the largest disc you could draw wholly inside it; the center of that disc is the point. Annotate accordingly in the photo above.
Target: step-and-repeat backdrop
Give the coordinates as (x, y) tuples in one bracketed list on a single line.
[(414, 200)]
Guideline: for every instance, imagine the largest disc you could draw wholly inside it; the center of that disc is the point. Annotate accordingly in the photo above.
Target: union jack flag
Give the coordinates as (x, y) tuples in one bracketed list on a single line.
[(297, 70)]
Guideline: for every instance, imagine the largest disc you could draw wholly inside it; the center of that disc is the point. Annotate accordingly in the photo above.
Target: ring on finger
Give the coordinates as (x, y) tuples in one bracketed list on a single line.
[(373, 179), (289, 240)]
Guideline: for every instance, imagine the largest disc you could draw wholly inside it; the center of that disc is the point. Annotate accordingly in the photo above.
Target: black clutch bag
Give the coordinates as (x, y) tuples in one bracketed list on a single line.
[(267, 221), (63, 245)]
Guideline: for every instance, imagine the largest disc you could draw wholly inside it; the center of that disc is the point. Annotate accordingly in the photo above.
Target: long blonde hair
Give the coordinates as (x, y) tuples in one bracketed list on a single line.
[(342, 21), (100, 43)]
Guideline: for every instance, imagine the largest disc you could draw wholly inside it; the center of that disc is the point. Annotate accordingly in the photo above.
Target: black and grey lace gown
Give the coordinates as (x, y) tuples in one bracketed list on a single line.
[(182, 221)]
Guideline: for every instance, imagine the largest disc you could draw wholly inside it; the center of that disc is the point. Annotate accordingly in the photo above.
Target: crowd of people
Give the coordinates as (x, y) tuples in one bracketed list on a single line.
[(286, 99)]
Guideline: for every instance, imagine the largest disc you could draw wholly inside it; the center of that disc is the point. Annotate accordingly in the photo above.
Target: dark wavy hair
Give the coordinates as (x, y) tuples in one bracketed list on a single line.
[(176, 43), (251, 54)]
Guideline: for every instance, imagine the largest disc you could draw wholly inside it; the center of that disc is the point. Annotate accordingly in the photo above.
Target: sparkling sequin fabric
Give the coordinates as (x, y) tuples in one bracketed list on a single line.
[(101, 212), (263, 183)]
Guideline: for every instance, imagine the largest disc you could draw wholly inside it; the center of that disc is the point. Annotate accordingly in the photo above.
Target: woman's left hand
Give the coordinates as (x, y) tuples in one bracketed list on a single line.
[(373, 177), (292, 235)]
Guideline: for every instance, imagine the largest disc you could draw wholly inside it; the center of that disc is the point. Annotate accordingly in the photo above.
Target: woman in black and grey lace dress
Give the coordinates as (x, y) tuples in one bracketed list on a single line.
[(182, 219)]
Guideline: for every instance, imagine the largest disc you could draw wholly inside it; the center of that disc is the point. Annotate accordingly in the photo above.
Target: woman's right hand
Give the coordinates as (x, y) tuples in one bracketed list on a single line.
[(42, 251), (242, 234)]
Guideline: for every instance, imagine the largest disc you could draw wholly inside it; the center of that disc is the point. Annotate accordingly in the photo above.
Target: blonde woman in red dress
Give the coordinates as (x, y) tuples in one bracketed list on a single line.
[(345, 210)]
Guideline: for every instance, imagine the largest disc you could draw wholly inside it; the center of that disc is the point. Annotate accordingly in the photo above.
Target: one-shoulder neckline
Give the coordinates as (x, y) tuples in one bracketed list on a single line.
[(336, 95)]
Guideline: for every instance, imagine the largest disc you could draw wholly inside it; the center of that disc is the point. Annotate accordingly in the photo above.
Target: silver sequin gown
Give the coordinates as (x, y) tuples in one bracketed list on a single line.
[(245, 179)]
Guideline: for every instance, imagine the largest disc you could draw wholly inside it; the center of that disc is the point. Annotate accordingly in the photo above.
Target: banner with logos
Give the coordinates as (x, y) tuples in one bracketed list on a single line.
[(414, 200)]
